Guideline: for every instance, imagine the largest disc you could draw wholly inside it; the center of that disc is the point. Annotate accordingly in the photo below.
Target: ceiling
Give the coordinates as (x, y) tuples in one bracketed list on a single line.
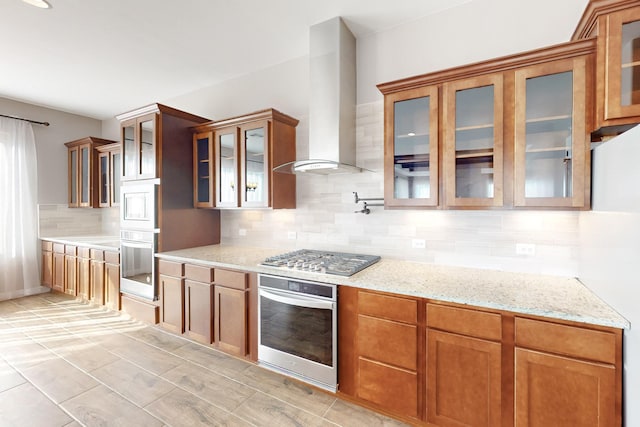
[(101, 58)]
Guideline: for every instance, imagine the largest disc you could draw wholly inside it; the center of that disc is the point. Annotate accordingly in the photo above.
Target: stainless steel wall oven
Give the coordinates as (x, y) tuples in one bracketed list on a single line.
[(137, 263), (297, 330)]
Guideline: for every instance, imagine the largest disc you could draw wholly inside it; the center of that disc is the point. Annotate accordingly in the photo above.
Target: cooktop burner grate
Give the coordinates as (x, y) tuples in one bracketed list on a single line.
[(338, 263)]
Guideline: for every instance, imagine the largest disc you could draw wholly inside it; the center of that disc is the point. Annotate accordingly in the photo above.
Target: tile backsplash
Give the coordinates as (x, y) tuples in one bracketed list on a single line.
[(60, 220), (325, 218)]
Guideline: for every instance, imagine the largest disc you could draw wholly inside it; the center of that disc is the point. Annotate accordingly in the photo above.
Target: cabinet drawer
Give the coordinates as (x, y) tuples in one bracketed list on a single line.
[(83, 252), (474, 323), (198, 273), (230, 279), (58, 247), (388, 307), (566, 340), (170, 268), (70, 250), (387, 341), (112, 257), (391, 388), (47, 246), (96, 254)]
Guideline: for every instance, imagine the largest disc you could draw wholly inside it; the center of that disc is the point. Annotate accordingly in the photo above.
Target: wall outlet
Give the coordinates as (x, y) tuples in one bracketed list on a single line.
[(292, 235), (242, 232), (528, 249), (418, 243)]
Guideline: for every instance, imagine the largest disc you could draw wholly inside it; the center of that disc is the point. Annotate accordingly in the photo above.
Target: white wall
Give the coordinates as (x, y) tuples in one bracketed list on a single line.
[(610, 247), (50, 149)]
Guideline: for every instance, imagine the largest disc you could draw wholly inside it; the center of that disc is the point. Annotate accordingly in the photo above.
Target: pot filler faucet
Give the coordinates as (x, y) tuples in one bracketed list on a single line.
[(366, 203)]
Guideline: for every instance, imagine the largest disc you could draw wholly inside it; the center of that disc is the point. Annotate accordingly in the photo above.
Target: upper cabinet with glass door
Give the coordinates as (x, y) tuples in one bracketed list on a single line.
[(109, 167), (472, 156), (552, 147), (513, 133), (616, 23), (411, 148), (245, 150), (139, 147), (83, 178)]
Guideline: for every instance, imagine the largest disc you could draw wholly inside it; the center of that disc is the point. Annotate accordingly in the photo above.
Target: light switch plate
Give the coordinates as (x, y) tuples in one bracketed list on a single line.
[(418, 243), (528, 249)]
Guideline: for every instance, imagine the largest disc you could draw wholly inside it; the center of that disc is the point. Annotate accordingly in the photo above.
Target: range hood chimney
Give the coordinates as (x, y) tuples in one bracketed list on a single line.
[(332, 108)]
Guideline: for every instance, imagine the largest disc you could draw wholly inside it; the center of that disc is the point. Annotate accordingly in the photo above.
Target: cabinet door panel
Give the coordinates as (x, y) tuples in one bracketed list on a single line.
[(411, 148), (83, 278), (623, 64), (47, 268), (203, 170), (198, 302), (473, 155), (58, 272), (557, 391), (392, 388), (227, 166), (463, 380), (97, 292), (71, 275), (387, 341), (254, 171), (172, 303), (551, 147), (231, 320), (112, 285)]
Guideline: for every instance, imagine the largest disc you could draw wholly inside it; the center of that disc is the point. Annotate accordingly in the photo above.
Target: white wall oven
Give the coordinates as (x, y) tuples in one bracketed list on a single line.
[(137, 263), (138, 205), (297, 330)]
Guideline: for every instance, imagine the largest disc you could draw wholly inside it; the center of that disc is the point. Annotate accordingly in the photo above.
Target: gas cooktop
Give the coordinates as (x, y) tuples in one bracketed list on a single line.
[(338, 263)]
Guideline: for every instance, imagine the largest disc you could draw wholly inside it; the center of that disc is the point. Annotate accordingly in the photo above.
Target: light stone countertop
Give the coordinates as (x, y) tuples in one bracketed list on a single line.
[(104, 242), (550, 296)]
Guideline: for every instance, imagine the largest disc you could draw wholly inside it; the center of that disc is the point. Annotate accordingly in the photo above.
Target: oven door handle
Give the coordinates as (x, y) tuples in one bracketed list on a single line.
[(130, 244), (299, 302)]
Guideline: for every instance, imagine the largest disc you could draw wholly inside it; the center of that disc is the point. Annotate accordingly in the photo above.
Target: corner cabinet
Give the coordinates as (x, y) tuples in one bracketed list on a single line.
[(83, 175), (234, 160), (507, 133), (616, 25)]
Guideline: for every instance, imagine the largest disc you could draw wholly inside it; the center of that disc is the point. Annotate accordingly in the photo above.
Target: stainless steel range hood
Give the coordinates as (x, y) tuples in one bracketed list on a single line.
[(332, 104)]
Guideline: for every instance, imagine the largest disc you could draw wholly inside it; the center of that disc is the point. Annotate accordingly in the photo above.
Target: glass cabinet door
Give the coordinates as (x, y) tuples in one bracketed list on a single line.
[(116, 173), (255, 174), (85, 170), (623, 64), (203, 170), (551, 142), (472, 157), (226, 155), (147, 147), (411, 148), (129, 150), (73, 177), (104, 180)]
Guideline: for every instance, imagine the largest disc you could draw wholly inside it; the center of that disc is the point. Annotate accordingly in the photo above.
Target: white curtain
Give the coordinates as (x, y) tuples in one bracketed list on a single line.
[(19, 252)]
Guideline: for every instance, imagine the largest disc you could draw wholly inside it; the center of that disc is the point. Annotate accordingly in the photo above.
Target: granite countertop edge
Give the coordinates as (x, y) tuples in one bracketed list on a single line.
[(104, 242), (563, 298)]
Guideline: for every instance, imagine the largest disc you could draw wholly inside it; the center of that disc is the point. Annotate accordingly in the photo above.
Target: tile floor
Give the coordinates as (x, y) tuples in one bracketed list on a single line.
[(68, 363)]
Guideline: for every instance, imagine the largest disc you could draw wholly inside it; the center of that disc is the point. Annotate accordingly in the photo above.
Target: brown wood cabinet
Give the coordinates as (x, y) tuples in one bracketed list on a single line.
[(84, 274), (379, 361), (578, 364), (96, 276), (171, 290), (70, 270), (156, 143), (109, 172), (198, 303), (513, 133), (615, 24), (112, 280), (234, 159), (464, 367), (58, 267), (468, 366), (231, 311), (83, 171), (47, 264)]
